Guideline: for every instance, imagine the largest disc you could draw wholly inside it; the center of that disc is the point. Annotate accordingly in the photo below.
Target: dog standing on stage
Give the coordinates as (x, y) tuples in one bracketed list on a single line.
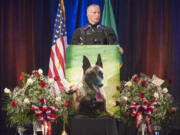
[(88, 95)]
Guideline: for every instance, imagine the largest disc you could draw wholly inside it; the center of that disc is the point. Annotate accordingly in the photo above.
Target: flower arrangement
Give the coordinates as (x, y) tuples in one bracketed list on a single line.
[(145, 99), (35, 101)]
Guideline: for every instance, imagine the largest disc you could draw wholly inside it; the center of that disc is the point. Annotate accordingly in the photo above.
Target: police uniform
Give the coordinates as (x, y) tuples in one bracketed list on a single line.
[(94, 35)]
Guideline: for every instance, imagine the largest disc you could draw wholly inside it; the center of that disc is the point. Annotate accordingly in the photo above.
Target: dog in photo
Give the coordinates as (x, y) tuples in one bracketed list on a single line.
[(88, 95)]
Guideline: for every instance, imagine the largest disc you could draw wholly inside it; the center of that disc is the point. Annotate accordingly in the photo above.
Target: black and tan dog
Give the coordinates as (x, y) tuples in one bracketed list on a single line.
[(89, 96)]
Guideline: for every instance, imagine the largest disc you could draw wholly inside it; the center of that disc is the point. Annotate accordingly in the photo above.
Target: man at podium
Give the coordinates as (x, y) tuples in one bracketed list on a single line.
[(93, 33)]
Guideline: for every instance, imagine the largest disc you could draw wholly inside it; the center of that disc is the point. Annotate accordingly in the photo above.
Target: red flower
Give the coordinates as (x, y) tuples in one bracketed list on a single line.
[(143, 83), (21, 77), (118, 87), (142, 95), (42, 101), (56, 78), (36, 74), (13, 104), (67, 104), (173, 110), (42, 84), (169, 81), (117, 103), (136, 79)]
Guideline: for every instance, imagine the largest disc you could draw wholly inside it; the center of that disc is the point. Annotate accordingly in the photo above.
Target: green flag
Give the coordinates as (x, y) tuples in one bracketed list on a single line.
[(109, 20), (108, 16)]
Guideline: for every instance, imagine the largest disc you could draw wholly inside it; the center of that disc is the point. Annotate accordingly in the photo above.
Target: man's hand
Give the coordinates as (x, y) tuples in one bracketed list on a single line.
[(121, 50)]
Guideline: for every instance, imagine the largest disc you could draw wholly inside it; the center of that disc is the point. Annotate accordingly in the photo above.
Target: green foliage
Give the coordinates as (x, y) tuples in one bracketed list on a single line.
[(66, 111)]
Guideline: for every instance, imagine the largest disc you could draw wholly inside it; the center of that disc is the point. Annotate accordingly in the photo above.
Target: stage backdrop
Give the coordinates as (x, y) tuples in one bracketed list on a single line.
[(148, 31), (111, 66)]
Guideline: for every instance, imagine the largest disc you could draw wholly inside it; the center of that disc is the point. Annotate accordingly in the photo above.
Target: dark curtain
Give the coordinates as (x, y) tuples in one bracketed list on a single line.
[(25, 41), (176, 48), (145, 32), (148, 31), (26, 32)]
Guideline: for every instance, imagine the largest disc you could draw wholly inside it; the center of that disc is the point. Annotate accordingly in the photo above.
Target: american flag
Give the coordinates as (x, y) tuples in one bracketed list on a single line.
[(58, 54)]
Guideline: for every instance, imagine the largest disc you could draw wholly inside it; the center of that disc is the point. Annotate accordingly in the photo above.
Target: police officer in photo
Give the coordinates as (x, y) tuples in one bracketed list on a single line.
[(94, 33)]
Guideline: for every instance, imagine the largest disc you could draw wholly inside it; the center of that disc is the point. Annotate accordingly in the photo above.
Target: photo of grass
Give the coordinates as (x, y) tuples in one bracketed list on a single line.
[(111, 66)]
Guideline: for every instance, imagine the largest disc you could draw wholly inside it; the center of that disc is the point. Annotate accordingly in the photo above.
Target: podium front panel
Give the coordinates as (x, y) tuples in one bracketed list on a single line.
[(111, 66)]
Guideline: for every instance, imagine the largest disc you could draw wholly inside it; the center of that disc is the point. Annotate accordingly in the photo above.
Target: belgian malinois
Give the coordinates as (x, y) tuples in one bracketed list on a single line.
[(89, 97)]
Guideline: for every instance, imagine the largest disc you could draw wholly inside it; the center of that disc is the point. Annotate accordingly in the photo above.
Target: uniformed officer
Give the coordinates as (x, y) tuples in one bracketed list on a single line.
[(94, 33)]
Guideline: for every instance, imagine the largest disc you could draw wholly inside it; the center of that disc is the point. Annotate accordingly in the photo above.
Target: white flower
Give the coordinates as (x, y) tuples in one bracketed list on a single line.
[(58, 100), (129, 84), (29, 81), (7, 91), (26, 101), (51, 80), (124, 98), (40, 71), (164, 90), (157, 81), (156, 95)]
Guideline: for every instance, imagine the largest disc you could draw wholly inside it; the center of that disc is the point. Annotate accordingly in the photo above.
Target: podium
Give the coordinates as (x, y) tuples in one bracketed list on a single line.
[(83, 125)]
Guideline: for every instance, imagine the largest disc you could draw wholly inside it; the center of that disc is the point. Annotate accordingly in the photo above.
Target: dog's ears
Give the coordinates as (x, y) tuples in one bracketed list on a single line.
[(99, 61), (86, 63)]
